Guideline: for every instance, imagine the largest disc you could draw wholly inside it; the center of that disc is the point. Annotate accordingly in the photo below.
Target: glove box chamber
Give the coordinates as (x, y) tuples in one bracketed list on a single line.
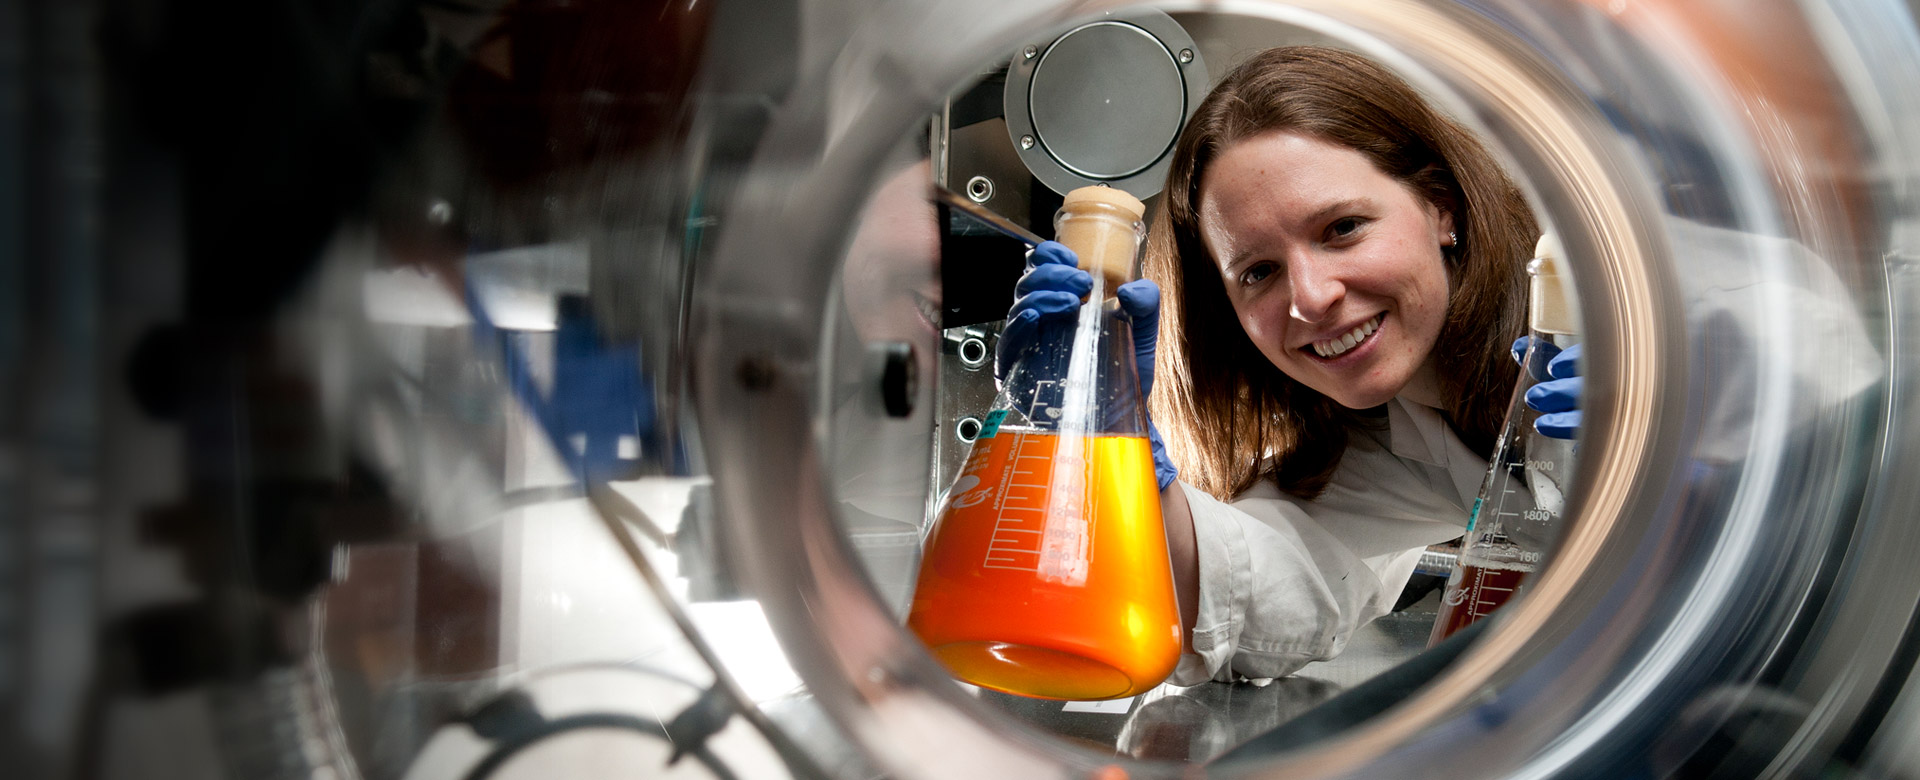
[(458, 389)]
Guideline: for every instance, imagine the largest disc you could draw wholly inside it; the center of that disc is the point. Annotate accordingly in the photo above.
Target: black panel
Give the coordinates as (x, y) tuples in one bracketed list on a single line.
[(978, 268)]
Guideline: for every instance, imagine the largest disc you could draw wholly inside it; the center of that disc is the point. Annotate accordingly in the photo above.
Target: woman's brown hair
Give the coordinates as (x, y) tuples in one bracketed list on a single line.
[(1231, 417)]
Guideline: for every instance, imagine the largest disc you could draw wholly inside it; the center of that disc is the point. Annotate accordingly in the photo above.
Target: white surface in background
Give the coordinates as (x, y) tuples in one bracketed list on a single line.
[(1110, 706), (740, 634), (519, 288), (407, 296)]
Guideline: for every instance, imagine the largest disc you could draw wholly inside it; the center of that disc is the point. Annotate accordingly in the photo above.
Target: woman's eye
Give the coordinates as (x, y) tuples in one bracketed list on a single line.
[(1344, 227), (1253, 275)]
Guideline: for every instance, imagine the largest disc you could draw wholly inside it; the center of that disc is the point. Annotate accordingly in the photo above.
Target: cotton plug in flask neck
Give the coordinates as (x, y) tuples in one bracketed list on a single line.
[(1046, 572), (1517, 516)]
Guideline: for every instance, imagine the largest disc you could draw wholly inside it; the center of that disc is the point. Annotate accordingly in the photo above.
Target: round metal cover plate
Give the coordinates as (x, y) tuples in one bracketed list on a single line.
[(1107, 100), (1103, 103)]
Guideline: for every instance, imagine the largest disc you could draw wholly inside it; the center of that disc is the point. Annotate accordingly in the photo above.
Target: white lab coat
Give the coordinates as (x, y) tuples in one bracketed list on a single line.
[(1284, 582)]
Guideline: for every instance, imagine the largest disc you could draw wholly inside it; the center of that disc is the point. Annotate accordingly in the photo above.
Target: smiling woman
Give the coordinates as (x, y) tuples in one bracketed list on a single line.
[(1344, 269), (1329, 169)]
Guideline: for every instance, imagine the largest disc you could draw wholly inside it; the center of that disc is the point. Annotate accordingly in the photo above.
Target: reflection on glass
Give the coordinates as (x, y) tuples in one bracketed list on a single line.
[(891, 297)]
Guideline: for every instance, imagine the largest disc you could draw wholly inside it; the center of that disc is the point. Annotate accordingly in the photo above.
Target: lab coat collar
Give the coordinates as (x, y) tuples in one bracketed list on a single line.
[(1418, 433)]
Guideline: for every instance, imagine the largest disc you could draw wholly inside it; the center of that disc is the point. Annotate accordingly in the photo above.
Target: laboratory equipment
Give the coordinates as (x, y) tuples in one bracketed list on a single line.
[(1070, 107), (1046, 572), (152, 535), (1516, 518)]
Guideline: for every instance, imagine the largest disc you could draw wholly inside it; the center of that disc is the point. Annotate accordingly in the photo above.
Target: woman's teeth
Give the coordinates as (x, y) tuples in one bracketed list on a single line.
[(1334, 347), (928, 308)]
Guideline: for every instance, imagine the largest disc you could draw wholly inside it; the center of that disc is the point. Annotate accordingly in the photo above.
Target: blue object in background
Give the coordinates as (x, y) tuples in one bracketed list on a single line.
[(600, 393)]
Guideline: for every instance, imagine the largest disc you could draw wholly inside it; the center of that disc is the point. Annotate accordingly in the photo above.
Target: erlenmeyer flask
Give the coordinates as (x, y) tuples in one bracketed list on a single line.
[(1516, 518), (1046, 571)]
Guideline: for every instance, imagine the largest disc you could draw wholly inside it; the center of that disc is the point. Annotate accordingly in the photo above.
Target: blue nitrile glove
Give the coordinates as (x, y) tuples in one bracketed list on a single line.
[(1048, 293), (1140, 299), (1557, 396), (1051, 290)]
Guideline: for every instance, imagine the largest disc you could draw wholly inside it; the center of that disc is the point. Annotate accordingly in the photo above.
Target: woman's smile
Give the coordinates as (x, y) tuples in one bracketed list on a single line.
[(1346, 343)]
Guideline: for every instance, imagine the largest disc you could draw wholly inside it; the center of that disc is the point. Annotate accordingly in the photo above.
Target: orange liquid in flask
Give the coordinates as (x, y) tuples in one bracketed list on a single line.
[(1047, 573)]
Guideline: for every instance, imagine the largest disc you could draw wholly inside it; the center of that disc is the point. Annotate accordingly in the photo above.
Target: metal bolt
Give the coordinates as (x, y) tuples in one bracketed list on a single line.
[(1026, 142), (979, 189), (1030, 52), (967, 429), (974, 353), (1186, 56), (440, 212)]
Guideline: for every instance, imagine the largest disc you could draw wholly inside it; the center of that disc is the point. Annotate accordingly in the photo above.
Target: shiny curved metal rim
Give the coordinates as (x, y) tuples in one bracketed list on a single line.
[(1604, 631)]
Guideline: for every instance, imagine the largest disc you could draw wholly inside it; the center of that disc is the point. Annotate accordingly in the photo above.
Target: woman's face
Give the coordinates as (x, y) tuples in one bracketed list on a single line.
[(1334, 268)]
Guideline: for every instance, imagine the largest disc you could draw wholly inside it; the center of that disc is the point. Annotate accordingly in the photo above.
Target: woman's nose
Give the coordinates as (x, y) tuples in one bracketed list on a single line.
[(1315, 290)]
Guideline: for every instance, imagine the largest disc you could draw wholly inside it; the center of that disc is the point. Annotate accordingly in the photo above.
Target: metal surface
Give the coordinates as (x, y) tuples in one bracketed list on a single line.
[(971, 207), (1197, 724), (1103, 102), (1073, 88), (965, 392)]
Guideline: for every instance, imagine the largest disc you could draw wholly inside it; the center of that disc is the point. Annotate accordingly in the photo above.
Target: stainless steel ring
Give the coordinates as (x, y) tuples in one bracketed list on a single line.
[(1683, 578)]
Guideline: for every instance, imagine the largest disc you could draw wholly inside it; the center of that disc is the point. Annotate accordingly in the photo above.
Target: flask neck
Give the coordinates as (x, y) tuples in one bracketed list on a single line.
[(1550, 304), (1105, 236)]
